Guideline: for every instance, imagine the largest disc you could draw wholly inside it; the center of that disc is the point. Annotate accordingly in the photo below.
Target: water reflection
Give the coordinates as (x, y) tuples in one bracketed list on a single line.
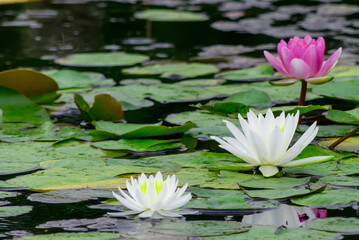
[(285, 215)]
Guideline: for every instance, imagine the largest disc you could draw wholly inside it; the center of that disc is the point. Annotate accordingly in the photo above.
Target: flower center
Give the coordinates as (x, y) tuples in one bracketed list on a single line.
[(158, 186)]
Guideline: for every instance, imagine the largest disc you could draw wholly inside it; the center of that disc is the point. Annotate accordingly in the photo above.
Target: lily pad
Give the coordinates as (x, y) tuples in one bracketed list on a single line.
[(348, 117), (333, 130), (179, 70), (275, 183), (138, 145), (345, 90), (225, 108), (101, 59), (127, 130), (350, 145), (10, 211), (251, 98), (340, 181), (167, 15), (74, 79), (335, 224), (18, 108), (259, 73), (32, 84), (74, 236), (328, 198)]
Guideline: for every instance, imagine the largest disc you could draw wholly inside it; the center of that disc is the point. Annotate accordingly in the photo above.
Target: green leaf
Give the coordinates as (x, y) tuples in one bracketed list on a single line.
[(348, 117), (138, 145), (74, 236), (340, 181), (18, 108), (127, 130), (350, 144), (264, 72), (30, 83), (345, 90), (179, 70), (14, 211), (335, 224), (225, 108), (333, 130), (329, 198), (275, 183), (101, 59), (167, 15), (294, 109), (251, 98), (282, 193)]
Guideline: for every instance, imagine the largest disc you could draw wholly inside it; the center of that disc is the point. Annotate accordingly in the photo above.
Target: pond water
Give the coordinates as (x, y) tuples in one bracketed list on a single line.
[(57, 173)]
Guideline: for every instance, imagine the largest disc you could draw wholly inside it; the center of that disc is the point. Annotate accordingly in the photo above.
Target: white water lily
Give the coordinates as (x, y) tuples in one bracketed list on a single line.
[(265, 140), (153, 197)]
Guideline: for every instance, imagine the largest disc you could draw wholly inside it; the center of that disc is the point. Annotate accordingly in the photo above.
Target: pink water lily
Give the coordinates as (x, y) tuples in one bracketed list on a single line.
[(303, 59)]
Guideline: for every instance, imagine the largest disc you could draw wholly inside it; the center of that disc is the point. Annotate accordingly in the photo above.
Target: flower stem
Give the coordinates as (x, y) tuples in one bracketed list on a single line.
[(303, 92), (343, 138)]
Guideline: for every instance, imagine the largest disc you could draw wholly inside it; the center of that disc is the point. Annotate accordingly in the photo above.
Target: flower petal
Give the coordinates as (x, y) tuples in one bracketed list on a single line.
[(276, 63), (330, 63), (122, 214), (319, 80), (268, 171), (306, 161), (284, 82), (310, 56), (146, 214), (299, 69)]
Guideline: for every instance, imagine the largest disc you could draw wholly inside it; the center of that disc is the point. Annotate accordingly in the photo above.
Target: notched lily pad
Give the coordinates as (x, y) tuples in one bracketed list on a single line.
[(335, 224), (139, 145), (101, 59), (340, 181), (225, 108), (167, 15), (259, 73), (347, 117), (346, 90), (275, 183), (10, 211), (350, 144), (74, 236)]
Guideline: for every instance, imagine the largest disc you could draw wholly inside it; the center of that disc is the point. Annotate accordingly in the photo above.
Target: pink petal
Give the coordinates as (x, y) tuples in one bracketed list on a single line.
[(281, 45), (299, 69), (298, 50), (320, 46), (287, 57), (330, 63), (276, 63), (308, 39), (310, 56)]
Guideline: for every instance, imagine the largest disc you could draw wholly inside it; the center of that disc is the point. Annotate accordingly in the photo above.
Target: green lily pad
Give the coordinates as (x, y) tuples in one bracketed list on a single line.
[(30, 83), (230, 180), (225, 108), (74, 79), (282, 193), (345, 90), (138, 145), (348, 117), (294, 109), (127, 130), (7, 194), (350, 144), (335, 224), (333, 130), (201, 228), (201, 82), (251, 98), (101, 59), (345, 71), (275, 183), (74, 236), (105, 107), (340, 180), (264, 72), (167, 15), (18, 108), (328, 198), (272, 232), (179, 70), (11, 211), (140, 81)]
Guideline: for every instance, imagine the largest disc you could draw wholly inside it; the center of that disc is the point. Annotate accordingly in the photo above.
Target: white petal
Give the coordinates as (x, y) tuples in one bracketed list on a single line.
[(306, 161), (169, 213), (121, 214), (146, 214), (268, 171), (128, 202), (179, 203)]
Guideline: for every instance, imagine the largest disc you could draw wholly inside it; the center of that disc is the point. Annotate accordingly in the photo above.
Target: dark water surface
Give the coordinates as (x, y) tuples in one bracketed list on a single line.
[(32, 35)]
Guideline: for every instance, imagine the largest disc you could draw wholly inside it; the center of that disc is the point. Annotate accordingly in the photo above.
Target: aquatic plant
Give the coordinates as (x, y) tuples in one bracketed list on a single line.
[(303, 60), (153, 197), (265, 140)]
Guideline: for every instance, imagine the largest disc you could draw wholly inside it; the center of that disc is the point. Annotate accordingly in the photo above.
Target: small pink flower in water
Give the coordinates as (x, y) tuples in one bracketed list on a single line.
[(303, 59)]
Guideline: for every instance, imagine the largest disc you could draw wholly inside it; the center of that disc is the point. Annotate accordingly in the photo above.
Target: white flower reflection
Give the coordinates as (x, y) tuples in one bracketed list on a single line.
[(285, 215), (153, 197)]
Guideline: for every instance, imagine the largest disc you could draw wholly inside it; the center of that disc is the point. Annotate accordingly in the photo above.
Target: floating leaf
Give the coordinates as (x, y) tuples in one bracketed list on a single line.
[(282, 193), (340, 181), (179, 70), (11, 211), (330, 130), (30, 83), (140, 81), (18, 108), (74, 79), (259, 73), (127, 130), (348, 117), (105, 107), (138, 145), (328, 198), (346, 90), (167, 15), (74, 236), (201, 82), (274, 183), (101, 59), (225, 108), (335, 224), (251, 98), (350, 144), (294, 109)]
